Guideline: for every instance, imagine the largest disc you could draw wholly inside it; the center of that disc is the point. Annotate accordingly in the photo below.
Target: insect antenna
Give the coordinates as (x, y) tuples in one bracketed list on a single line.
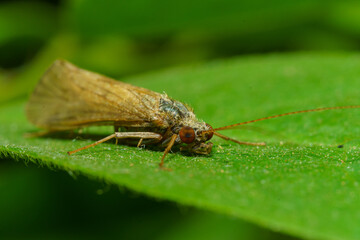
[(280, 115), (239, 142)]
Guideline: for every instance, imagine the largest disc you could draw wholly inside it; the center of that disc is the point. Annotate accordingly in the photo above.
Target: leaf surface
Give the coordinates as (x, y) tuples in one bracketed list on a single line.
[(300, 183)]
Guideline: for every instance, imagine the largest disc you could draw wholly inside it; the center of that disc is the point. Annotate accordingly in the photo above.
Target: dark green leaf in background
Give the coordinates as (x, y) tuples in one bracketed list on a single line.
[(122, 38), (43, 204), (24, 28)]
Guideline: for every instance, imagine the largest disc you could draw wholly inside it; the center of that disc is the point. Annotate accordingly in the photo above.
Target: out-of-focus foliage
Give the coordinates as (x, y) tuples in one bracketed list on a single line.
[(119, 38), (24, 28), (40, 204)]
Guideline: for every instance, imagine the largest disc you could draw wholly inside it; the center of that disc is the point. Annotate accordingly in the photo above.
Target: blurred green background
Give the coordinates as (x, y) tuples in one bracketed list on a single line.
[(122, 38)]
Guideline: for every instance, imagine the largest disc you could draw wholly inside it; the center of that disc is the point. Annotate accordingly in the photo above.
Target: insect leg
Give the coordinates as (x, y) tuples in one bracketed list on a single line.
[(116, 129), (168, 148), (140, 141), (121, 135), (140, 135), (93, 144), (239, 142)]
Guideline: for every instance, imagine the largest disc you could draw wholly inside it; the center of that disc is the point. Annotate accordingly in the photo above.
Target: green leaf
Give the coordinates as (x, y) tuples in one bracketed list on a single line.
[(301, 183), (39, 193), (163, 18), (26, 20)]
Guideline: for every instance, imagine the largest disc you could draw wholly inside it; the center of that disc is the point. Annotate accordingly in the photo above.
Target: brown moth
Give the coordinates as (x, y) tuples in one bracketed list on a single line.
[(68, 98)]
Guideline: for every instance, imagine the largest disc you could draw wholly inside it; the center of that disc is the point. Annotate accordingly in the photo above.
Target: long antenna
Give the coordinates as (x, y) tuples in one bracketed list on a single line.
[(284, 114)]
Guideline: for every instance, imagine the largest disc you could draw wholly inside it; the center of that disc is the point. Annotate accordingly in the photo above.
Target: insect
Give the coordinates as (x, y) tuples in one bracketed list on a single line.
[(68, 98)]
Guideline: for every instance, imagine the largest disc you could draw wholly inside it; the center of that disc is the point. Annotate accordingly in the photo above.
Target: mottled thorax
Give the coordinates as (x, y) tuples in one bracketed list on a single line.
[(184, 123)]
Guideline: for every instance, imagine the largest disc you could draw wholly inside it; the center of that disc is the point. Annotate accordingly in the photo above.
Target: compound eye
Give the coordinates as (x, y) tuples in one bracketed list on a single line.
[(209, 135), (187, 135)]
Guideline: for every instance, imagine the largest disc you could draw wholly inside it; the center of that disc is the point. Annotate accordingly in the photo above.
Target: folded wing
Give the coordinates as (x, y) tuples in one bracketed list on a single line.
[(68, 97)]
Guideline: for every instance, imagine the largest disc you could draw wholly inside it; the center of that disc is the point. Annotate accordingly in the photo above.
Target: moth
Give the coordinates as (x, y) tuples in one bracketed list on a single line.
[(68, 98)]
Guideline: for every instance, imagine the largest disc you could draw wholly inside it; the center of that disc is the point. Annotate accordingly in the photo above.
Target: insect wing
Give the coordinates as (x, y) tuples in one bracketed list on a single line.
[(68, 97)]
